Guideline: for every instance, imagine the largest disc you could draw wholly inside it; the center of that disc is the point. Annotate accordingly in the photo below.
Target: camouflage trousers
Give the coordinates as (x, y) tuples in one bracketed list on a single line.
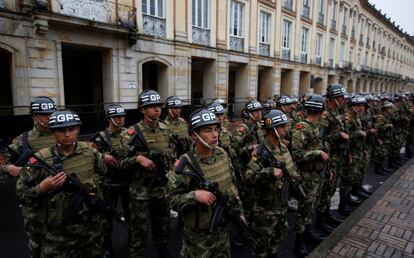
[(380, 152), (148, 216), (272, 228), (111, 195), (73, 241), (329, 186), (202, 244), (353, 177), (33, 224), (397, 142), (312, 184)]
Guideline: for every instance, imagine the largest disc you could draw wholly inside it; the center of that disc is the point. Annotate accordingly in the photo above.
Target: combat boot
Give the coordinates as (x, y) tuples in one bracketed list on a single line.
[(300, 245), (354, 200), (380, 171), (311, 237), (332, 219), (322, 223), (343, 207), (367, 188), (392, 164), (361, 194), (108, 249), (163, 251)]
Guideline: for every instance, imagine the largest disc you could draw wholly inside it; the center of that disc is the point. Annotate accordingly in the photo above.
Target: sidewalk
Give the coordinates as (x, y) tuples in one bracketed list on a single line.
[(383, 226)]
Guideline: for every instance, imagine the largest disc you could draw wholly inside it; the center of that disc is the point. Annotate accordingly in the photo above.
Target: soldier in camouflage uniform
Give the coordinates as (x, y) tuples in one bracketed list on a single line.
[(225, 123), (311, 157), (195, 203), (409, 145), (353, 178), (149, 206), (80, 236), (269, 211), (248, 134), (36, 139), (284, 104), (385, 127), (115, 183), (400, 121), (337, 138), (177, 125)]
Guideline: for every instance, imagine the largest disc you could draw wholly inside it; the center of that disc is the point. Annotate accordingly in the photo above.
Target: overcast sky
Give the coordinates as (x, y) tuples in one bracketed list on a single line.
[(400, 11)]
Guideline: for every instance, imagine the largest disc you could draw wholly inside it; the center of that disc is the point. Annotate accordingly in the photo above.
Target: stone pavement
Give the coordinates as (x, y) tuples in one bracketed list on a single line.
[(383, 226)]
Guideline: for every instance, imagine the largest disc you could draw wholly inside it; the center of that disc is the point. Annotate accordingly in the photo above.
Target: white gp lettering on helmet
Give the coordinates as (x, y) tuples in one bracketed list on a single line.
[(208, 116), (256, 104), (343, 90), (284, 117), (154, 97), (120, 110), (46, 106), (64, 117), (177, 102)]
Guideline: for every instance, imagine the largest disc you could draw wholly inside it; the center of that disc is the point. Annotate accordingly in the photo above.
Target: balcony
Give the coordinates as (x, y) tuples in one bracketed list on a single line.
[(330, 63), (264, 49), (318, 60), (333, 25), (98, 11), (236, 43), (154, 26), (201, 36), (306, 11), (303, 58), (285, 54), (321, 18)]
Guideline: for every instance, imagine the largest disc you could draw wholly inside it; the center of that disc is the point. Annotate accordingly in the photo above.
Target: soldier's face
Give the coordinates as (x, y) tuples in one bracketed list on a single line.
[(209, 134), (282, 131), (118, 120), (359, 108), (175, 112), (42, 119), (256, 115), (66, 136), (220, 118), (287, 108), (341, 100), (153, 112)]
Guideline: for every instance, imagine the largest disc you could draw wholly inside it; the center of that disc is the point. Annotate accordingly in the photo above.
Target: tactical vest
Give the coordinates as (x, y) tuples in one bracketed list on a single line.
[(82, 165), (219, 172), (358, 142), (314, 143), (336, 126), (225, 137), (36, 142), (179, 128)]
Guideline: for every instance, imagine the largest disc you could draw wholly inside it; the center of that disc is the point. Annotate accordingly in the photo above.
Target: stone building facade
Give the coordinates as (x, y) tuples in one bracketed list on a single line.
[(89, 52)]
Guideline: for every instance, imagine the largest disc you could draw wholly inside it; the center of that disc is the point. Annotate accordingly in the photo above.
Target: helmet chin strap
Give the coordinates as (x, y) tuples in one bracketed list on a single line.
[(61, 145), (353, 108), (115, 124), (337, 103), (151, 120), (283, 108), (204, 142), (40, 123), (250, 115), (171, 113)]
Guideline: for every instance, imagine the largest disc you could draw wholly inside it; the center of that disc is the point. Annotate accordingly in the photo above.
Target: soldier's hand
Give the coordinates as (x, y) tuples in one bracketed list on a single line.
[(13, 170), (324, 155), (344, 136), (205, 197), (380, 142), (363, 134), (52, 182), (145, 162), (277, 172), (373, 131), (110, 160), (286, 142)]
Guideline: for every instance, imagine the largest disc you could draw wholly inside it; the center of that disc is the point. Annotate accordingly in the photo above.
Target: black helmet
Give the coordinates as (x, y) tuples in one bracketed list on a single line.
[(64, 118), (216, 108), (42, 105), (294, 100), (269, 104), (114, 110), (221, 102), (358, 99), (387, 104), (335, 90), (369, 97), (315, 103), (200, 118), (284, 100), (149, 97), (173, 102), (253, 105), (273, 118)]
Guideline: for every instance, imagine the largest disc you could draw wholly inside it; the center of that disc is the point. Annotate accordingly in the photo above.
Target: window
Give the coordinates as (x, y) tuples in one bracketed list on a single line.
[(368, 33), (286, 32), (306, 8), (153, 7), (321, 15), (344, 20), (264, 27), (351, 54), (319, 46), (331, 48), (236, 19), (353, 24), (334, 10), (304, 40), (200, 13), (342, 52), (288, 4)]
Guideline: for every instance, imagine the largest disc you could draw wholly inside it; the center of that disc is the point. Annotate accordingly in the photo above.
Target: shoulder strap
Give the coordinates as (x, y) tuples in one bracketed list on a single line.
[(194, 166), (108, 139), (141, 137), (57, 162), (25, 141)]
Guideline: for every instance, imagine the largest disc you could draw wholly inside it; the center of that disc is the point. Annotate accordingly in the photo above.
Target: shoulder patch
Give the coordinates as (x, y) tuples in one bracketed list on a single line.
[(176, 163), (131, 131), (32, 160), (299, 126)]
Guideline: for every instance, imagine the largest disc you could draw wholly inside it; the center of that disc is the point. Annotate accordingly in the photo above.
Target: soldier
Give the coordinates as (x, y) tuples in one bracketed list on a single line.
[(385, 127), (338, 141), (223, 103), (409, 144), (64, 235), (311, 157), (34, 140), (400, 121), (177, 125), (146, 153), (269, 104), (269, 211), (205, 162), (352, 180), (115, 184), (250, 133)]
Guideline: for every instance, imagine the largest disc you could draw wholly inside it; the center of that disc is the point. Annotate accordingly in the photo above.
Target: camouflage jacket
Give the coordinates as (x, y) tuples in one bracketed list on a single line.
[(356, 138), (182, 141)]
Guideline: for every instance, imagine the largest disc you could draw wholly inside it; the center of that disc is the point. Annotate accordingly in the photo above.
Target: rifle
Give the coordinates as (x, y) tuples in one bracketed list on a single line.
[(79, 193), (222, 206), (326, 164), (159, 177), (287, 179), (179, 147)]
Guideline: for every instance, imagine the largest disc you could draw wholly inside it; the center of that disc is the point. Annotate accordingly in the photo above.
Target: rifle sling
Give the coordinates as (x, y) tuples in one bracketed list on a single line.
[(108, 140), (57, 162), (141, 138)]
